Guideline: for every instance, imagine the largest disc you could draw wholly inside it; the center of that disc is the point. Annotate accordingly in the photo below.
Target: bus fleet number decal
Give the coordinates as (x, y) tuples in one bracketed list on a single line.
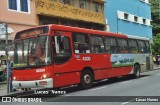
[(86, 58)]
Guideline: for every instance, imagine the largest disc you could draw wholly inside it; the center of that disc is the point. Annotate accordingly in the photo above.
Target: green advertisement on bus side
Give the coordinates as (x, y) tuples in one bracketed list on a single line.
[(119, 60)]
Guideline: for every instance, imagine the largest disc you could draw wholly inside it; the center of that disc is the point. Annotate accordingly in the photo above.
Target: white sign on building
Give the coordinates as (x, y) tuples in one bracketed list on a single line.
[(2, 29)]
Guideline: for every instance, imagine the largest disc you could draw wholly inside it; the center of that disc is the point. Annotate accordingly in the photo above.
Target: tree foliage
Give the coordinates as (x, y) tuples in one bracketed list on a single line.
[(156, 44), (155, 11)]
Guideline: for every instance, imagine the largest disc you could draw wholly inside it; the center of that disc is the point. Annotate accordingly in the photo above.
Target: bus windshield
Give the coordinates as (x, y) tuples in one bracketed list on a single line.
[(32, 52)]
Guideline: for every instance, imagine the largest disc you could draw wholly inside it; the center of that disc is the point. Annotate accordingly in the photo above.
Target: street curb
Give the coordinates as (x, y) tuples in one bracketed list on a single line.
[(156, 68)]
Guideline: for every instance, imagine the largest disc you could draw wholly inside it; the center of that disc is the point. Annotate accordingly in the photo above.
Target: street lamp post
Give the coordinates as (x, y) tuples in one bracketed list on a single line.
[(7, 61)]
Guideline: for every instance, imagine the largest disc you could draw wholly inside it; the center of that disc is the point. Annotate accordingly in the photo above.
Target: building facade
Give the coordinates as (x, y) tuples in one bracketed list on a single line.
[(78, 13), (131, 17), (18, 14)]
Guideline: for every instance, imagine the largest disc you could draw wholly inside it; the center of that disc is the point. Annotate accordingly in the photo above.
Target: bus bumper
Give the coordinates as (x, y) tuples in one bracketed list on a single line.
[(44, 83)]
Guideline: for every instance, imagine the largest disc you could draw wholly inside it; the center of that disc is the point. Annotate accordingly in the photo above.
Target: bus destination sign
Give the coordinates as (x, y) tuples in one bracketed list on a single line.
[(32, 32)]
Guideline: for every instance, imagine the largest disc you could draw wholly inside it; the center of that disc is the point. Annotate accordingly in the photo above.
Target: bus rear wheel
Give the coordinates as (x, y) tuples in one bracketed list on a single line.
[(136, 71), (86, 80)]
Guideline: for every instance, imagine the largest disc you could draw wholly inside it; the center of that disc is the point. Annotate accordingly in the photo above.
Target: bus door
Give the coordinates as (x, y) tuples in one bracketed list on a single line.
[(62, 59), (148, 63), (148, 57)]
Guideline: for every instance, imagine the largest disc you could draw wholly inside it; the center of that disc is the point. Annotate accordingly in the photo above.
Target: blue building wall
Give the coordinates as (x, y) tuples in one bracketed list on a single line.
[(134, 7)]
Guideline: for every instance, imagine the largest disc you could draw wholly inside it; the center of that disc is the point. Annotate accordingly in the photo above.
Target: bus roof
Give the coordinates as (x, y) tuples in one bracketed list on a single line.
[(71, 29), (80, 30), (137, 37), (89, 31)]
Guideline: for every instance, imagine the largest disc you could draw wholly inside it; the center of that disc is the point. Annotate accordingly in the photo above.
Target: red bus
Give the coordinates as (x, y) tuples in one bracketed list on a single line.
[(54, 56)]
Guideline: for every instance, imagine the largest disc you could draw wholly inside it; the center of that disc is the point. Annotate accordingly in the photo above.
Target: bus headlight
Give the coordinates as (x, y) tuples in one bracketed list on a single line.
[(14, 78), (44, 76)]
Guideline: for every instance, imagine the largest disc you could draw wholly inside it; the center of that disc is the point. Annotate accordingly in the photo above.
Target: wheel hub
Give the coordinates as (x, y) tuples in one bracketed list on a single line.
[(87, 79)]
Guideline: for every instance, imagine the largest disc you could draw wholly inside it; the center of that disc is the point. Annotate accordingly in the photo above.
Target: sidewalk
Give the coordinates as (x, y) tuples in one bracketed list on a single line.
[(3, 89), (3, 86), (156, 67)]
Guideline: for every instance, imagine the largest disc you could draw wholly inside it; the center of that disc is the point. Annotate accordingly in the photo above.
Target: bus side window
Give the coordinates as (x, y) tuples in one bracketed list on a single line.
[(110, 45), (148, 50), (133, 48), (141, 46), (81, 43), (62, 49), (97, 44), (123, 45)]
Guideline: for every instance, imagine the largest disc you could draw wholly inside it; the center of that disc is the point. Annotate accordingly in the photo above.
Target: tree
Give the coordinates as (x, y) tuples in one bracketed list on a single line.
[(155, 11), (156, 45)]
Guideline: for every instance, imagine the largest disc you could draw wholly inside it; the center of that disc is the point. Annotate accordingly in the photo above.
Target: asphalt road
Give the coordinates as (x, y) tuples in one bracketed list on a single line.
[(147, 85)]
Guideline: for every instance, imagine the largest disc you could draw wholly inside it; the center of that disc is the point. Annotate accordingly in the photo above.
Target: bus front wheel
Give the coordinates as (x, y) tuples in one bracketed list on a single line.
[(86, 80)]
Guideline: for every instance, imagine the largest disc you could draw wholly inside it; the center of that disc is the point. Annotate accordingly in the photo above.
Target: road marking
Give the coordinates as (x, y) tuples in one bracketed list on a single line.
[(129, 101), (124, 103), (98, 88), (125, 82)]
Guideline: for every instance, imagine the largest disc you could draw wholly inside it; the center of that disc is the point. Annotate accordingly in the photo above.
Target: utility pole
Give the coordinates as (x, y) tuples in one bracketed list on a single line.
[(7, 61), (4, 32)]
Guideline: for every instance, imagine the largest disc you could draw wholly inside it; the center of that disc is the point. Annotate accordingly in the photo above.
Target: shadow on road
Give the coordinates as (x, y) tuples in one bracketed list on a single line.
[(100, 83), (75, 88)]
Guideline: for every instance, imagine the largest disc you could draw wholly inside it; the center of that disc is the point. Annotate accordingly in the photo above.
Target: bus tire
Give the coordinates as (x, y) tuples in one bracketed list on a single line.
[(136, 71), (86, 80)]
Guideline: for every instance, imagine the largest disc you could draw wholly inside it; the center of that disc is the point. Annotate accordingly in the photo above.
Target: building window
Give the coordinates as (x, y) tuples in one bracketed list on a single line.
[(19, 5), (146, 1), (54, 0), (149, 1), (84, 4), (24, 5), (126, 16), (97, 7), (13, 4), (144, 21), (135, 19), (67, 2)]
